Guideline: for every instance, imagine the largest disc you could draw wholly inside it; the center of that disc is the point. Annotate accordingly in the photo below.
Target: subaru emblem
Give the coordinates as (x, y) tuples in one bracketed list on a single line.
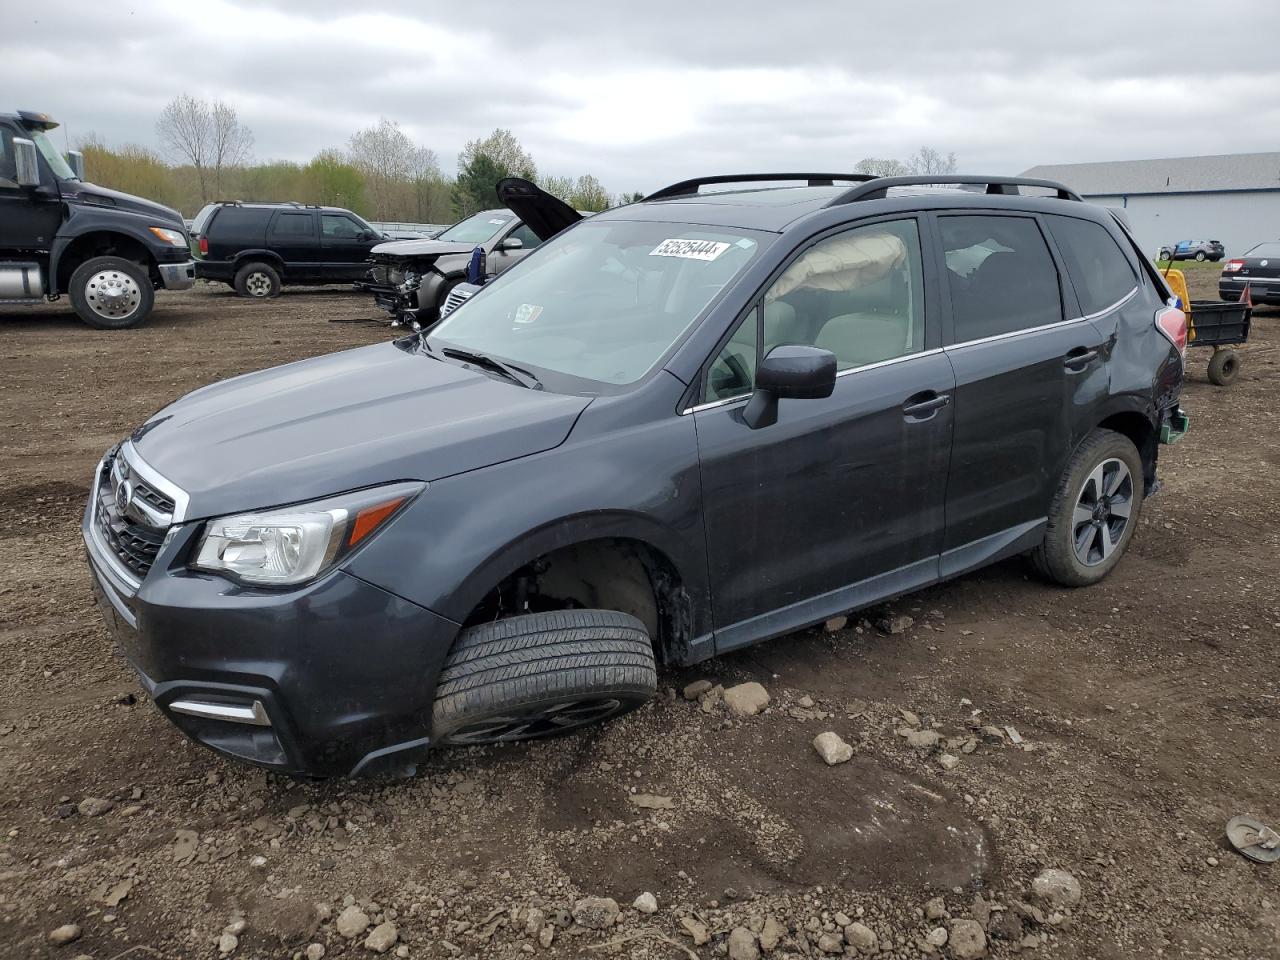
[(124, 496)]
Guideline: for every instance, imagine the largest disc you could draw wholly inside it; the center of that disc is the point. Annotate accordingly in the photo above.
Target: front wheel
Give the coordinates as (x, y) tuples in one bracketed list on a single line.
[(1094, 511), (1201, 256), (541, 675), (111, 293)]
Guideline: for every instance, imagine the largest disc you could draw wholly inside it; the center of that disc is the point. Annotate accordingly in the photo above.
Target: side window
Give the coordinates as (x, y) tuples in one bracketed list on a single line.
[(293, 226), (733, 372), (1100, 272), (338, 227), (1001, 274), (8, 165), (528, 239), (859, 294)]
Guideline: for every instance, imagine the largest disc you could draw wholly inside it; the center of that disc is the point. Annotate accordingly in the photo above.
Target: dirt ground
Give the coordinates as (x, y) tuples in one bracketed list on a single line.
[(1148, 708)]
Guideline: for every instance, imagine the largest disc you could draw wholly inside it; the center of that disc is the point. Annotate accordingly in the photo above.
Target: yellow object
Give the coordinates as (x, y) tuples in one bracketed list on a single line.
[(1177, 282)]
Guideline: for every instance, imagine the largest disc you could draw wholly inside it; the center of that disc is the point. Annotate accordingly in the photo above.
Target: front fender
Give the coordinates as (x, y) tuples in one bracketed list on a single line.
[(82, 220), (467, 533)]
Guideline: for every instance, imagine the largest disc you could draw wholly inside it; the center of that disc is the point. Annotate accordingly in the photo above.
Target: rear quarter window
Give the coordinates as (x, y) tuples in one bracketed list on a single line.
[(1099, 270)]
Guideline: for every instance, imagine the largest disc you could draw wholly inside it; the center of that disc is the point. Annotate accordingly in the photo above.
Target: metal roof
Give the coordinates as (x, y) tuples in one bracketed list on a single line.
[(1230, 171)]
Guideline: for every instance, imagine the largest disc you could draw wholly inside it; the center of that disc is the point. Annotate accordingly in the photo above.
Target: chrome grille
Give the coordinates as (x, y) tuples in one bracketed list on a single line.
[(455, 299), (132, 517)]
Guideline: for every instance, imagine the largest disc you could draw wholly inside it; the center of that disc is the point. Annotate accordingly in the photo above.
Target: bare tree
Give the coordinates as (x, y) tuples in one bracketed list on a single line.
[(209, 136), (881, 168), (561, 187), (928, 160), (389, 160)]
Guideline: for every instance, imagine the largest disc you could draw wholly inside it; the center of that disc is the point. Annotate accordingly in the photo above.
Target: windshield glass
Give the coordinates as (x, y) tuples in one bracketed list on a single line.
[(57, 163), (477, 228), (1269, 249), (603, 301)]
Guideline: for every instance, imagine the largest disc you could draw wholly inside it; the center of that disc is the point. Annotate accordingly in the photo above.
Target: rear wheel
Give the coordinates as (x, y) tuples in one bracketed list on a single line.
[(257, 280), (112, 293), (1224, 367), (1094, 511), (541, 675)]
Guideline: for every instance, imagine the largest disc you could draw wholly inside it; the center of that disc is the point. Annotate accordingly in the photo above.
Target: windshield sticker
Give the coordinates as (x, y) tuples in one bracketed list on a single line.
[(527, 313), (689, 249)]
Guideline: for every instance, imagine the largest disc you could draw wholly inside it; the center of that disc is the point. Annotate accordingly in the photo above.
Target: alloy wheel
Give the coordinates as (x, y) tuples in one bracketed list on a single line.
[(1101, 515)]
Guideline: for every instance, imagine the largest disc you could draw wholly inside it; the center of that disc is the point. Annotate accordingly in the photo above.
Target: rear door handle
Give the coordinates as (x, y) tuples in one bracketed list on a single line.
[(1079, 358), (921, 406)]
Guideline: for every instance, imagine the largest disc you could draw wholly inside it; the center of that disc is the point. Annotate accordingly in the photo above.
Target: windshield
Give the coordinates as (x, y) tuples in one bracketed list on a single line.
[(57, 163), (602, 301), (477, 228)]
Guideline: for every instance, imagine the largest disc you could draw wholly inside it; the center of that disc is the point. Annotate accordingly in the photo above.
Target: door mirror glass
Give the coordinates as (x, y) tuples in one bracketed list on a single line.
[(75, 160), (27, 167), (789, 371), (512, 243)]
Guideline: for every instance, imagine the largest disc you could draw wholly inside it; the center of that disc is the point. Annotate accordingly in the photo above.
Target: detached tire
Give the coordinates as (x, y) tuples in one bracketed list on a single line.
[(111, 293), (1224, 367), (1094, 511), (541, 675), (258, 281)]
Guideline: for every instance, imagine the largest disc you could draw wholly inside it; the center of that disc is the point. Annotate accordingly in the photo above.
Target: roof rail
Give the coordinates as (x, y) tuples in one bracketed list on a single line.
[(878, 188), (269, 203), (687, 187)]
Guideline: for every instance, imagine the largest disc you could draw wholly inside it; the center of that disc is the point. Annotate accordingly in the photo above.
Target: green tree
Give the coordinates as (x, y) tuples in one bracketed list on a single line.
[(330, 180), (474, 190), (561, 187), (588, 194), (635, 197), (504, 150)]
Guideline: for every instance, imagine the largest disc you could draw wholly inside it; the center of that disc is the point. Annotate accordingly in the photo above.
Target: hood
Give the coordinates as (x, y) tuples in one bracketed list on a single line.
[(420, 248), (544, 214), (90, 194), (343, 421)]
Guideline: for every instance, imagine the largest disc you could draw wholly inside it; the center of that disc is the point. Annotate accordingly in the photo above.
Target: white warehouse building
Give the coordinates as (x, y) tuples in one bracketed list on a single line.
[(1234, 198)]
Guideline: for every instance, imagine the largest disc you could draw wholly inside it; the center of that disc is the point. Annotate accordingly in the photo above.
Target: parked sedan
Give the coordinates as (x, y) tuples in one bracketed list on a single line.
[(1194, 250), (1258, 269)]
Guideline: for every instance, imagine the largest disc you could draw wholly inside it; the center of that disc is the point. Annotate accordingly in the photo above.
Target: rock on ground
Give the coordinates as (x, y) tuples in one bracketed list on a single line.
[(67, 933), (923, 739), (227, 944), (831, 748), (968, 941), (382, 938), (1057, 889), (596, 913), (696, 930), (94, 806), (746, 699), (771, 933), (352, 922), (315, 951), (862, 938), (696, 689), (742, 944), (646, 903)]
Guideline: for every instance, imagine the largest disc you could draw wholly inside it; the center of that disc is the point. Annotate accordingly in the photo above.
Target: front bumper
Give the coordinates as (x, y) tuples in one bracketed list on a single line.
[(333, 678), (178, 276)]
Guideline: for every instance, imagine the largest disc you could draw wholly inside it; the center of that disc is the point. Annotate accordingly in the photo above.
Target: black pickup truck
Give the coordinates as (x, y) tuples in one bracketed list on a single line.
[(58, 234)]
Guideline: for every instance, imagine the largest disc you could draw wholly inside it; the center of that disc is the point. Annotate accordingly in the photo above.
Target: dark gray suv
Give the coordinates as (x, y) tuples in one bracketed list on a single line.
[(678, 428)]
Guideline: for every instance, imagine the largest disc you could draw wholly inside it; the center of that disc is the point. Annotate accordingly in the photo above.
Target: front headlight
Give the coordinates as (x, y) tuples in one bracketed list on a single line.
[(175, 237), (291, 545)]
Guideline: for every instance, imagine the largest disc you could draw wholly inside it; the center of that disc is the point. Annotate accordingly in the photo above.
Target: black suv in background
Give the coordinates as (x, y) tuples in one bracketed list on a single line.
[(256, 247), (677, 428)]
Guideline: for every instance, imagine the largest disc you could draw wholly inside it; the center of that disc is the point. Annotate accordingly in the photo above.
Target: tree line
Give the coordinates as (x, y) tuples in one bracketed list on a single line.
[(206, 153)]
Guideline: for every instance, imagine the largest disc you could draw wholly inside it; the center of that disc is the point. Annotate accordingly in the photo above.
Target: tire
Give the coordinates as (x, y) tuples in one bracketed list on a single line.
[(111, 293), (540, 675), (1069, 554), (258, 281), (1224, 367), (1201, 256)]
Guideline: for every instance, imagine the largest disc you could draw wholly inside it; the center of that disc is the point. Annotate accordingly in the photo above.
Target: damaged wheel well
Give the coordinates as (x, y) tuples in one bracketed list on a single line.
[(1137, 428), (607, 574)]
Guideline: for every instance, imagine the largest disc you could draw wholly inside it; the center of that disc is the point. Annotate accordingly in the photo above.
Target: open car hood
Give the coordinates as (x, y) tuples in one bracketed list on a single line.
[(544, 214)]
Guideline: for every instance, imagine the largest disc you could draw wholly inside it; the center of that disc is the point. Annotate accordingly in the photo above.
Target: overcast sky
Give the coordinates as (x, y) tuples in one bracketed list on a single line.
[(641, 94)]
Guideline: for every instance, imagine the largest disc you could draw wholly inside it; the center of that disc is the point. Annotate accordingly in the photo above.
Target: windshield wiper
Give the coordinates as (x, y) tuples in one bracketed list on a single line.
[(511, 372)]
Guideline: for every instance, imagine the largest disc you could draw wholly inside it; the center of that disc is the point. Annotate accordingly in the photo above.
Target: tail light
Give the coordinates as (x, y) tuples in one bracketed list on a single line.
[(204, 245), (1172, 322), (1232, 266)]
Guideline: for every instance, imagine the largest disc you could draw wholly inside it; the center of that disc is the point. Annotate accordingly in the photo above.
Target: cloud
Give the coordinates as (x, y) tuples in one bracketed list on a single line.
[(641, 95)]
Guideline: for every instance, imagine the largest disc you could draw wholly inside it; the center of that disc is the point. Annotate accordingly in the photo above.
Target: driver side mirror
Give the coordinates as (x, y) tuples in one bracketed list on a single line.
[(792, 371), (511, 243), (26, 164), (75, 160)]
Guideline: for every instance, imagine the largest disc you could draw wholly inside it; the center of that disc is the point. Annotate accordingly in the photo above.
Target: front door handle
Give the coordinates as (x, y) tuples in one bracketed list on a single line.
[(1079, 358), (924, 405)]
